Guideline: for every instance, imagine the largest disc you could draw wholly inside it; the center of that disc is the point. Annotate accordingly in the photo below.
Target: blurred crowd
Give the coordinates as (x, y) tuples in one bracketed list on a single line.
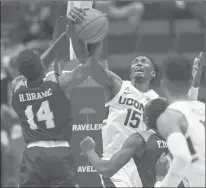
[(30, 24)]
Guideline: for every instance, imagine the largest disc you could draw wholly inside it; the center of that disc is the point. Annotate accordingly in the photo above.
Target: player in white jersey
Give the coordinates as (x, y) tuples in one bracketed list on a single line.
[(126, 101), (182, 125)]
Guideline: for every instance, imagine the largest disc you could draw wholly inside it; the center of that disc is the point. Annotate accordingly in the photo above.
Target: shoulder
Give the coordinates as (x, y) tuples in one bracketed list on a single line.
[(135, 141), (171, 121), (171, 114), (19, 82), (127, 85), (152, 94)]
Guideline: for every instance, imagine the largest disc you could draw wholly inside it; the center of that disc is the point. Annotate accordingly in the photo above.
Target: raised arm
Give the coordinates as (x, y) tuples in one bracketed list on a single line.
[(110, 82), (49, 56), (173, 132), (132, 145), (197, 72), (72, 79)]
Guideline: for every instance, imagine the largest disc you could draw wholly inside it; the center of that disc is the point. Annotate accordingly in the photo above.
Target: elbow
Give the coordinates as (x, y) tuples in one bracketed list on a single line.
[(106, 173)]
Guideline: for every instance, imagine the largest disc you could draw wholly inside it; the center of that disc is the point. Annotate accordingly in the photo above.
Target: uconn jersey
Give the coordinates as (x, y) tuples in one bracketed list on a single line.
[(125, 117), (194, 113)]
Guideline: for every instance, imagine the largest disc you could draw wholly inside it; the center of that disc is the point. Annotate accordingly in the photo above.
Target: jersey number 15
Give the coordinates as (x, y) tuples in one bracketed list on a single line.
[(43, 114), (132, 118)]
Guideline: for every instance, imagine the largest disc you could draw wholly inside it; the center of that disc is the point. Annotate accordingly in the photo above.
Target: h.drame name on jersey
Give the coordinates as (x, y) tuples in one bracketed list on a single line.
[(131, 102), (34, 96), (87, 127)]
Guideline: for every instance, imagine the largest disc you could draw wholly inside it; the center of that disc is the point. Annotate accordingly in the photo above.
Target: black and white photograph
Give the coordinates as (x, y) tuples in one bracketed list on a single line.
[(103, 93)]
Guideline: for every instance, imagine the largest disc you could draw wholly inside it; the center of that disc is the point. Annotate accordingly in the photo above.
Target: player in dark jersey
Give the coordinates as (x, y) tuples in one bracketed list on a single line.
[(146, 148), (44, 111)]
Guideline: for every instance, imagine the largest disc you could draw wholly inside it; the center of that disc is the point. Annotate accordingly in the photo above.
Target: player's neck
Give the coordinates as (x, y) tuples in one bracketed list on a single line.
[(141, 86), (35, 83)]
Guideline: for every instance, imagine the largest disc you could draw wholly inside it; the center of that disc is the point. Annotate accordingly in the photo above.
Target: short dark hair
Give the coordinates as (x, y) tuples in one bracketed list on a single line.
[(29, 64), (178, 70), (153, 110)]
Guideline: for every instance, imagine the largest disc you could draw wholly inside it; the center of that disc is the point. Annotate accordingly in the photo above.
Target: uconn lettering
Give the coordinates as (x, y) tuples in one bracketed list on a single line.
[(131, 102)]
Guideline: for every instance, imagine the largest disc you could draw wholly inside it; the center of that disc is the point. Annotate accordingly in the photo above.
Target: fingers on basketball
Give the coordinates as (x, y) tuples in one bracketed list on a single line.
[(82, 10), (78, 14)]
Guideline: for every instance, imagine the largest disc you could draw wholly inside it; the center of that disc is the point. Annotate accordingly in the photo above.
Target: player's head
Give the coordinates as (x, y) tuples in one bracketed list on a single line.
[(143, 68), (29, 65), (153, 110), (176, 75)]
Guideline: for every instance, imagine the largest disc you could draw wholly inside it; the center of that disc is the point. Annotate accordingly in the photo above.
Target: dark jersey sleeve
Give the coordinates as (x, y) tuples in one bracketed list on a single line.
[(17, 84)]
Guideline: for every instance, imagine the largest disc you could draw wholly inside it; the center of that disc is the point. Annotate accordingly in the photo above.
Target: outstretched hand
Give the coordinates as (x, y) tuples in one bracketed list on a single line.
[(77, 16), (88, 144), (197, 69), (162, 167), (198, 62)]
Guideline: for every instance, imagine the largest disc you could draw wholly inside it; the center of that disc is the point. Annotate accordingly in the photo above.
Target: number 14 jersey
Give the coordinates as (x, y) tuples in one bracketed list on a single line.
[(44, 111), (125, 117)]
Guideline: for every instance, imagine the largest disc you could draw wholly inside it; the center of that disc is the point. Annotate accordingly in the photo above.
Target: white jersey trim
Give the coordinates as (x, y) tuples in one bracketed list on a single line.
[(120, 91)]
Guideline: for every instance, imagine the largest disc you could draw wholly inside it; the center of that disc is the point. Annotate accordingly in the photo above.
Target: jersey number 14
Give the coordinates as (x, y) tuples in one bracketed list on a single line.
[(43, 114), (132, 118)]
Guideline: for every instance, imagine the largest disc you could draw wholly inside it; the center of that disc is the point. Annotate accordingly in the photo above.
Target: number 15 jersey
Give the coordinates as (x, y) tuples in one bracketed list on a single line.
[(44, 111), (125, 117)]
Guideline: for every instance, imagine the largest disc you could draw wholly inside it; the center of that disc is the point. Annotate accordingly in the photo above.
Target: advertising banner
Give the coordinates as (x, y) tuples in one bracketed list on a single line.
[(88, 112)]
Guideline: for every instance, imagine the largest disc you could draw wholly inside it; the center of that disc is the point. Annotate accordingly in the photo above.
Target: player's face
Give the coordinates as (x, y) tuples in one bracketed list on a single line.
[(141, 68)]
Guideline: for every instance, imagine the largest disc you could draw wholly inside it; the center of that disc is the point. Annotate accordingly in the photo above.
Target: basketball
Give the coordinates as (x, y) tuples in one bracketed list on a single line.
[(94, 28)]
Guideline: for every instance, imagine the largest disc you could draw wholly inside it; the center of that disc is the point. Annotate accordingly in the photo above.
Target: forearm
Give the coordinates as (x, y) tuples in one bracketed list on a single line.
[(97, 162), (177, 145), (197, 79), (72, 79), (80, 48), (81, 76), (99, 74), (49, 56), (194, 90), (193, 93)]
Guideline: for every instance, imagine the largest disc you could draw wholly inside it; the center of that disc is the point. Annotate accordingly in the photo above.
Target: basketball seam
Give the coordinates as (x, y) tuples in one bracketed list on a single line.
[(90, 23), (98, 32)]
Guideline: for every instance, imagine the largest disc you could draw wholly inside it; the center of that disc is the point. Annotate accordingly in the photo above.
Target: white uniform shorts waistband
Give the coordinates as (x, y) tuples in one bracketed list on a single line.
[(48, 144)]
